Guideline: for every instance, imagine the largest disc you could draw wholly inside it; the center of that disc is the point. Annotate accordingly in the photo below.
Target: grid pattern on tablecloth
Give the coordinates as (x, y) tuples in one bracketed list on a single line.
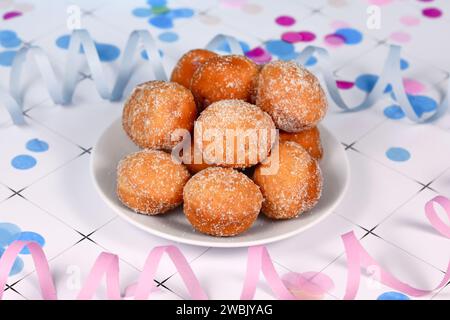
[(396, 166)]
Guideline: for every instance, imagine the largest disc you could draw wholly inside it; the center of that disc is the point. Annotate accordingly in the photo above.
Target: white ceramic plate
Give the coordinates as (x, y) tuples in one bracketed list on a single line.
[(114, 144)]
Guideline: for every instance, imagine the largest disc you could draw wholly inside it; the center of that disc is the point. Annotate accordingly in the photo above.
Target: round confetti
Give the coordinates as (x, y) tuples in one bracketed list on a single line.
[(23, 162), (351, 36), (392, 295), (366, 82), (11, 42), (334, 40), (413, 86), (142, 12), (404, 64), (157, 3), (422, 104), (36, 145), (182, 13), (398, 154), (410, 21), (279, 47), (6, 58), (394, 112), (291, 37), (311, 61), (30, 236), (432, 13), (168, 37), (285, 21), (11, 14), (400, 37), (8, 231), (344, 85), (107, 52), (161, 21)]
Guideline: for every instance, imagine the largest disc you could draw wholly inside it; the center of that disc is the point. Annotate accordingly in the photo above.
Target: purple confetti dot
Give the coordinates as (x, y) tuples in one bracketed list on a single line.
[(344, 85), (256, 52), (11, 14), (432, 12), (285, 21)]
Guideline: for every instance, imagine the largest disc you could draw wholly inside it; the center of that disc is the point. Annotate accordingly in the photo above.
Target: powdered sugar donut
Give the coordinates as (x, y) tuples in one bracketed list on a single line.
[(149, 182), (309, 139), (188, 64), (245, 130), (154, 110), (291, 95), (221, 202), (224, 77), (296, 186)]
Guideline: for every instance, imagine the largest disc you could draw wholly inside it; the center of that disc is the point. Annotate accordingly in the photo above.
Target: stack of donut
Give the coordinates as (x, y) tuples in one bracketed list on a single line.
[(224, 192)]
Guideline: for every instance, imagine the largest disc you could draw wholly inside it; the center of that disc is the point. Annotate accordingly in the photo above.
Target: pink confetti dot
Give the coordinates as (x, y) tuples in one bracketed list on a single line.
[(285, 21), (334, 40), (259, 55), (302, 36), (413, 86), (410, 21), (400, 37), (11, 14), (432, 13), (380, 2)]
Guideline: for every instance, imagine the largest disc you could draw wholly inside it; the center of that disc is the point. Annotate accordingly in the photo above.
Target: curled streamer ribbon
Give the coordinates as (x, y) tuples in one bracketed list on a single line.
[(61, 92), (259, 261)]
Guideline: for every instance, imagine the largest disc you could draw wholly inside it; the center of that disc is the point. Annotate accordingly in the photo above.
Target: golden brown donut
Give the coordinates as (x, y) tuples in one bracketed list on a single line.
[(295, 188), (221, 202), (291, 95), (224, 77), (149, 182), (188, 64), (194, 167), (154, 110), (244, 129), (308, 139)]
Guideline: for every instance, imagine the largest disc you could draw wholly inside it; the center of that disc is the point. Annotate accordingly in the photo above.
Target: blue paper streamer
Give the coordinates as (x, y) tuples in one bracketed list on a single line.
[(61, 92)]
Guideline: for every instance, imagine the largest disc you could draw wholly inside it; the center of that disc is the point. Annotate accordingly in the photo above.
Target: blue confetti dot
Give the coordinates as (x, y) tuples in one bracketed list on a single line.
[(181, 13), (107, 52), (37, 145), (311, 61), (142, 12), (161, 21), (23, 162), (145, 56), (422, 104), (392, 295), (8, 231), (394, 112), (17, 266), (157, 3), (63, 41), (7, 35), (366, 83), (279, 47), (404, 64), (351, 36), (30, 236), (398, 154), (168, 37), (10, 42), (7, 58), (225, 47)]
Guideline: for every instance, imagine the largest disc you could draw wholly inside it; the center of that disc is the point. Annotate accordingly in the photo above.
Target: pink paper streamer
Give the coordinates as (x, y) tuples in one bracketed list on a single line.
[(434, 219), (259, 261)]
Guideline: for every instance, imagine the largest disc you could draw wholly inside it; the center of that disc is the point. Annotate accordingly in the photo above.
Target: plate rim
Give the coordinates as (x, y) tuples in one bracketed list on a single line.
[(205, 243)]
